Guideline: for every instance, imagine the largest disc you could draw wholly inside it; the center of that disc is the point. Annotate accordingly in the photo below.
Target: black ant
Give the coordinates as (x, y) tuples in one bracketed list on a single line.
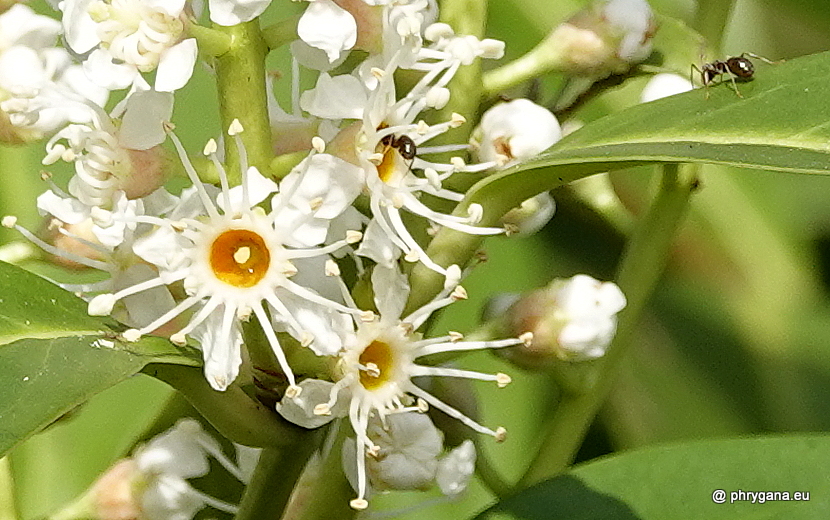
[(739, 67), (403, 144)]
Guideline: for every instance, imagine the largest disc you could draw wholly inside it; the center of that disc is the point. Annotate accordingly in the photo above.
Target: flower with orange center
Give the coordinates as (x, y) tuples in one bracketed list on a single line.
[(235, 259), (375, 368)]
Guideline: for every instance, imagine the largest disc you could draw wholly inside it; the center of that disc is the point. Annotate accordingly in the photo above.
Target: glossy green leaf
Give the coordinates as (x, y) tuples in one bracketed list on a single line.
[(54, 356), (31, 307), (780, 123), (681, 481)]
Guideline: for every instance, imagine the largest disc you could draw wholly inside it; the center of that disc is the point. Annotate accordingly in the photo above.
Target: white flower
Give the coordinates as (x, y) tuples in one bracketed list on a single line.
[(129, 37), (516, 131), (40, 88), (387, 144), (633, 21), (664, 85), (111, 156), (585, 316), (234, 260), (376, 367), (153, 483), (407, 457)]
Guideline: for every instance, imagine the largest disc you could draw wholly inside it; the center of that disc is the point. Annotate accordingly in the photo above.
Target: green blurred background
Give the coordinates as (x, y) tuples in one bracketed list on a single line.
[(736, 340)]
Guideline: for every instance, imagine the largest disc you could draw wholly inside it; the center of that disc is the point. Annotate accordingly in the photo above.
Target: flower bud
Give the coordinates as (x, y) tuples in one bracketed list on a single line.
[(515, 131), (607, 37), (571, 320)]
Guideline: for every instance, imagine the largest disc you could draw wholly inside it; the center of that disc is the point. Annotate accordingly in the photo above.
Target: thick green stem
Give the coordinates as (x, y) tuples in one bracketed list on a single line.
[(324, 493), (233, 412), (467, 17), (241, 82), (269, 491), (212, 42), (642, 264), (711, 20)]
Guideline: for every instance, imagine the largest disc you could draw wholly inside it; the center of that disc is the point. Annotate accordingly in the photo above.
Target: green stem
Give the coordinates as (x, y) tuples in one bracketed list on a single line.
[(282, 32), (711, 20), (235, 414), (212, 42), (7, 509), (467, 17), (325, 493), (269, 491), (640, 269), (543, 58), (241, 83)]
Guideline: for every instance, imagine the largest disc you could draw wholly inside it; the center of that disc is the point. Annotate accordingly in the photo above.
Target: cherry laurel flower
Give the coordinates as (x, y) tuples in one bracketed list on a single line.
[(378, 361), (409, 457), (130, 37), (235, 260), (40, 88), (153, 483), (386, 143)]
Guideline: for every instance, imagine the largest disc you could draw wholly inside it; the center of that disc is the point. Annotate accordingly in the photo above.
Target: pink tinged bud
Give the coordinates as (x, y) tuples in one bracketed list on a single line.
[(571, 320), (113, 493), (369, 19), (607, 37), (150, 170)]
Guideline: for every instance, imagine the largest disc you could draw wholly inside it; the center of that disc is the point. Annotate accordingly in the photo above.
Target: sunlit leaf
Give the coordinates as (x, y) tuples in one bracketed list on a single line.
[(54, 356)]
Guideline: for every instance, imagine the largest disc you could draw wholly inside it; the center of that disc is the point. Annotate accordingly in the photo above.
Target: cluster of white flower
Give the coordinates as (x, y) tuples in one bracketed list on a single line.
[(205, 261)]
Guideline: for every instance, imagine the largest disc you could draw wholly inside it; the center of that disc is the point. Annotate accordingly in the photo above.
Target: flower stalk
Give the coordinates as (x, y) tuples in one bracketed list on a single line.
[(640, 269), (240, 79)]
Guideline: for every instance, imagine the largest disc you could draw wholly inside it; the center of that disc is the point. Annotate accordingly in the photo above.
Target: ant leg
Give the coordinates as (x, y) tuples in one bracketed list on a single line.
[(734, 85), (703, 83), (765, 60)]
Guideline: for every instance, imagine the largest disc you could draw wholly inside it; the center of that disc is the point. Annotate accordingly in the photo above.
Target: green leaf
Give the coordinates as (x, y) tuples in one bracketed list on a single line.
[(780, 123), (54, 356), (679, 481), (31, 307)]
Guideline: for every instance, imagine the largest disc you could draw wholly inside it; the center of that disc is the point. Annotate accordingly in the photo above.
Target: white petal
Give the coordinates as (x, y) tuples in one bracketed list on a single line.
[(176, 452), (69, 210), (20, 25), (259, 188), (664, 85), (332, 180), (176, 66), (233, 12), (456, 469), (21, 69), (100, 68), (329, 27), (338, 97), (377, 245), (141, 126), (81, 30), (300, 410), (391, 291)]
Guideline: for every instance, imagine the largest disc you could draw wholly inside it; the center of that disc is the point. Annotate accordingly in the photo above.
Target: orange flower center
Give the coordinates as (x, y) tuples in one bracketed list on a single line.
[(239, 257), (377, 361)]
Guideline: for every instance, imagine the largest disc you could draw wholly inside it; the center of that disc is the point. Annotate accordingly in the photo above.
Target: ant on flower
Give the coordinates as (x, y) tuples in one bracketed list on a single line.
[(739, 67)]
